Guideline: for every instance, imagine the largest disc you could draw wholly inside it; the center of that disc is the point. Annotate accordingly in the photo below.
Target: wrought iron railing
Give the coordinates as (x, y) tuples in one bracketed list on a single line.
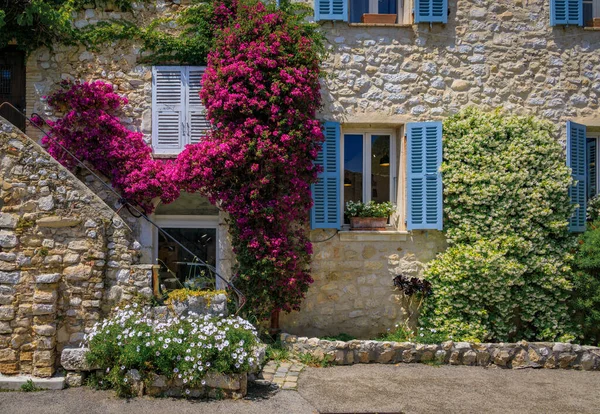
[(197, 263)]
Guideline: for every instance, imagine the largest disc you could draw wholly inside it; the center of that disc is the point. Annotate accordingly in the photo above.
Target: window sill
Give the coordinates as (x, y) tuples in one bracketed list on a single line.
[(378, 25), (593, 29), (163, 156), (368, 236)]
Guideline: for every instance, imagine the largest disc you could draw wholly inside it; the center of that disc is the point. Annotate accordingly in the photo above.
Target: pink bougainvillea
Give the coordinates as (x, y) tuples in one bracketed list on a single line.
[(261, 91), (91, 129)]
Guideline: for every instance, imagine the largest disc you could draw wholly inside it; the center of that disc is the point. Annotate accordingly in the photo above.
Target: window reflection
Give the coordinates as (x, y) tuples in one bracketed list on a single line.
[(380, 168), (353, 168)]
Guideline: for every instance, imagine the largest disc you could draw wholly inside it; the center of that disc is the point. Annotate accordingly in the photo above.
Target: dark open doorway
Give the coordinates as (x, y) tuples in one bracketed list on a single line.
[(12, 84)]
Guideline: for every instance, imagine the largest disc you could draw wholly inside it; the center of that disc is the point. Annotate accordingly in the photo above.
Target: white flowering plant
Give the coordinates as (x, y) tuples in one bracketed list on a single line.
[(180, 347), (506, 274)]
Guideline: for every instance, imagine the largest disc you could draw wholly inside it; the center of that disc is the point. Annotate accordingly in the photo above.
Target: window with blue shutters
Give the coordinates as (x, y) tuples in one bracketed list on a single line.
[(566, 12), (325, 213), (577, 161), (331, 10), (424, 180), (431, 11)]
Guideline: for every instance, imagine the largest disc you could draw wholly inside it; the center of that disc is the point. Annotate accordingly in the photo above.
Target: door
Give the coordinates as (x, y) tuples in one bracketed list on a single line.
[(12, 85)]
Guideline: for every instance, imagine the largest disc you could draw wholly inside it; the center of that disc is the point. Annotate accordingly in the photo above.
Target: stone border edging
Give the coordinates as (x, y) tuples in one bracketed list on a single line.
[(549, 355)]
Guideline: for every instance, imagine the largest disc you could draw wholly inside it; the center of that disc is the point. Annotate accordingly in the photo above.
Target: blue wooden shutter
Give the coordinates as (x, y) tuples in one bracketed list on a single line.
[(566, 12), (431, 11), (424, 180), (331, 10), (325, 213), (576, 159)]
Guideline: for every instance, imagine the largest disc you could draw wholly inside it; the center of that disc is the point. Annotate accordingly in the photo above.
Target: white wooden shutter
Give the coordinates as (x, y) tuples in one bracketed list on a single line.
[(196, 123), (168, 101)]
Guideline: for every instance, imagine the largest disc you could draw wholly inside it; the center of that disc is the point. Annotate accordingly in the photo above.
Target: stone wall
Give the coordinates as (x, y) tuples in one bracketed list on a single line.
[(353, 290), (492, 53), (65, 257), (549, 355)]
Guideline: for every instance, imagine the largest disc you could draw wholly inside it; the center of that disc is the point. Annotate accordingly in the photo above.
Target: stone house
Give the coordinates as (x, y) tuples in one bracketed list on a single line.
[(387, 88)]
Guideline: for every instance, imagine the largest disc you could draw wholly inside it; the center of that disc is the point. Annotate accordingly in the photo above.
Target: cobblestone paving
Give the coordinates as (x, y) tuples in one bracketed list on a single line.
[(283, 374)]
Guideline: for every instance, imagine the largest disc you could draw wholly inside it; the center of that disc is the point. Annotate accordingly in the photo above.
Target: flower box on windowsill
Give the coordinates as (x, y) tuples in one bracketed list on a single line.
[(379, 18), (368, 223)]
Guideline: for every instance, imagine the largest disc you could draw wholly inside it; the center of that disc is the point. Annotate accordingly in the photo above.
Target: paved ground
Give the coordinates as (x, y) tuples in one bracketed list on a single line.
[(283, 374), (407, 388)]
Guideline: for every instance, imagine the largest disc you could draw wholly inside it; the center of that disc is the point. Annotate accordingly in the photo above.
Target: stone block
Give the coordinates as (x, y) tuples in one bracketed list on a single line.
[(57, 222), (74, 379), (9, 368), (8, 355), (77, 273), (43, 358), (73, 359), (8, 239), (43, 309), (7, 313), (8, 220), (47, 278)]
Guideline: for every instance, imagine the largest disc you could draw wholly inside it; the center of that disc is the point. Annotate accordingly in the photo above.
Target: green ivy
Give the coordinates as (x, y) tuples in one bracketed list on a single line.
[(585, 302), (505, 275)]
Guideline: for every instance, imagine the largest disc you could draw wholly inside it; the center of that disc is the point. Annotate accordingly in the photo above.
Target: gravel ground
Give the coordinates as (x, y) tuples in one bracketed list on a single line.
[(406, 388)]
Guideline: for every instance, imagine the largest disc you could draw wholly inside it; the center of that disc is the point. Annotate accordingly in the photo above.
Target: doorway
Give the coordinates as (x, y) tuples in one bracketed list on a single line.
[(12, 85)]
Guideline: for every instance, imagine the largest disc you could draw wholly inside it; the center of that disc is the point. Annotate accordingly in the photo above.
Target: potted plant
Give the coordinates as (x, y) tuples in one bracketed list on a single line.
[(368, 216)]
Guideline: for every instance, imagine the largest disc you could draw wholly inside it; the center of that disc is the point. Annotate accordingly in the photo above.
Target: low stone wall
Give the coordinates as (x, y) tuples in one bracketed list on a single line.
[(523, 354)]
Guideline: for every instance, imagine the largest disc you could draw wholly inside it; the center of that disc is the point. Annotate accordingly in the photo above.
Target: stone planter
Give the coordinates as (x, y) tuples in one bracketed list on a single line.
[(368, 223), (214, 305), (379, 18)]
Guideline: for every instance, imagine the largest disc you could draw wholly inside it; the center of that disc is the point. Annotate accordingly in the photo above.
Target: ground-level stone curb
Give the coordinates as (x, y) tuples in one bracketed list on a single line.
[(518, 355)]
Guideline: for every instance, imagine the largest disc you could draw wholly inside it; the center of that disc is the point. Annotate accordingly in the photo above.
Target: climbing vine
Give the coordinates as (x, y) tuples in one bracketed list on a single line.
[(261, 91)]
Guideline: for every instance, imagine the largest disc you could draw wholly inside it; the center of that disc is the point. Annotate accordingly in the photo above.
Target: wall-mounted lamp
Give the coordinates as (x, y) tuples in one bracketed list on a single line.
[(384, 161), (347, 182)]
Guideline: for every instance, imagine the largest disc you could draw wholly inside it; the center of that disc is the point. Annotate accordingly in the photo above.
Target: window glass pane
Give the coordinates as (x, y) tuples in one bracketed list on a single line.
[(588, 13), (592, 167), (353, 168), (380, 168), (357, 9), (387, 6), (177, 266)]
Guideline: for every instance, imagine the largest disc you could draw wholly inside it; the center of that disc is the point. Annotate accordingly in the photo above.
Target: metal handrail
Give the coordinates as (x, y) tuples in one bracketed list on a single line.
[(241, 298)]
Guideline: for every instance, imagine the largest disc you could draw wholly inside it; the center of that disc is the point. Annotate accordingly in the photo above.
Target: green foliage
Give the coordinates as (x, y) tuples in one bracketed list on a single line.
[(421, 336), (35, 23), (29, 386), (277, 352), (505, 275), (339, 337), (370, 209), (585, 301), (315, 361)]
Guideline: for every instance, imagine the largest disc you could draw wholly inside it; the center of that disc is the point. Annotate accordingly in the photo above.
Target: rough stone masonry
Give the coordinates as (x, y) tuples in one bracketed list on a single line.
[(65, 257)]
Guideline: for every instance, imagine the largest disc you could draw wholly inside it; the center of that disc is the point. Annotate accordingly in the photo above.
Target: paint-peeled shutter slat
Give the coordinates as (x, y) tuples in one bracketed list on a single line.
[(331, 10), (325, 213), (167, 109), (431, 11), (576, 160), (566, 12), (424, 180), (197, 123)]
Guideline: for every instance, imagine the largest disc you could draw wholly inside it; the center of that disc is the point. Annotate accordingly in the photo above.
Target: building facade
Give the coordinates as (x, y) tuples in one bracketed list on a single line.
[(386, 86)]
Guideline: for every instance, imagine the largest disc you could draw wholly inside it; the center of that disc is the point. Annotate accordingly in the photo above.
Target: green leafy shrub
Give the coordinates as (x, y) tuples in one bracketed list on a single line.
[(370, 209), (585, 301), (185, 348), (29, 386), (505, 275)]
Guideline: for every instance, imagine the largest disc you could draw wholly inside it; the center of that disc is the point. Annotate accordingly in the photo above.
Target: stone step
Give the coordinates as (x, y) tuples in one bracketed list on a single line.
[(14, 382)]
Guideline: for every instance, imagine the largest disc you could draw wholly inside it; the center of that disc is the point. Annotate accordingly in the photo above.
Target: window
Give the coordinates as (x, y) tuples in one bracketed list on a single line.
[(383, 11), (372, 155), (362, 165), (591, 11), (197, 234), (178, 116)]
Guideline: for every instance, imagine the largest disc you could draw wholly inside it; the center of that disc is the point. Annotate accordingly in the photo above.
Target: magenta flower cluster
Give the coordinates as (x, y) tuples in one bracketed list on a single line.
[(261, 91), (91, 129)]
